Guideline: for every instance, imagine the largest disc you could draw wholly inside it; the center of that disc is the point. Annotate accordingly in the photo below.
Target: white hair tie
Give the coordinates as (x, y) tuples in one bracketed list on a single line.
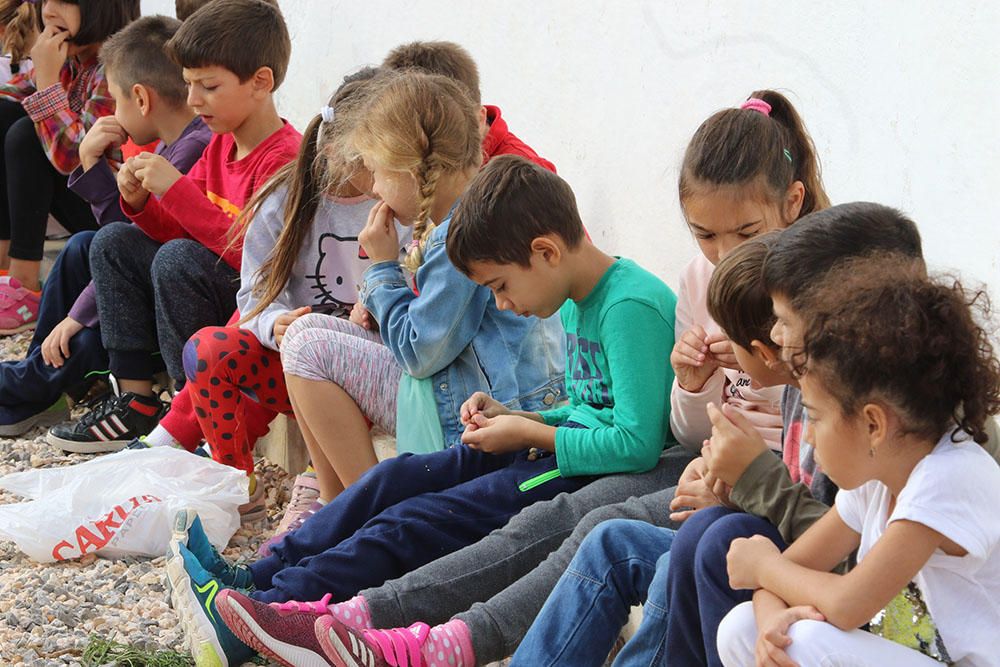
[(327, 113)]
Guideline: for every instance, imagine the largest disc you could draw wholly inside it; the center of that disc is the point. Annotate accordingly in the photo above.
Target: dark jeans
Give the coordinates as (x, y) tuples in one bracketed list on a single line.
[(698, 592), (31, 188), (401, 514), (153, 297), (29, 386)]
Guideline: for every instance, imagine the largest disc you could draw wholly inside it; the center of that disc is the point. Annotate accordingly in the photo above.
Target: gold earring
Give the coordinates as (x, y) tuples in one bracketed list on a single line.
[(871, 452)]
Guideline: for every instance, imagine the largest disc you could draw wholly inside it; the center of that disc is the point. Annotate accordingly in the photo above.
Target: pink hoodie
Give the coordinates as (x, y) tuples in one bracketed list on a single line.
[(688, 416)]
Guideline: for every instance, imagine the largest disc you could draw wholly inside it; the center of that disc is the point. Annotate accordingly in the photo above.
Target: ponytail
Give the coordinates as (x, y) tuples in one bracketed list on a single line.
[(21, 26), (764, 140)]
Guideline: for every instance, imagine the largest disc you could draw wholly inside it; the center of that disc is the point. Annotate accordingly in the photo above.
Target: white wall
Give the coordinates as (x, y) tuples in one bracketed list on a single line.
[(902, 98)]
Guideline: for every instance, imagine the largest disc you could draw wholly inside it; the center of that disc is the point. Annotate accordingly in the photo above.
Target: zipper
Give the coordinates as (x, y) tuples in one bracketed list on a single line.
[(537, 480)]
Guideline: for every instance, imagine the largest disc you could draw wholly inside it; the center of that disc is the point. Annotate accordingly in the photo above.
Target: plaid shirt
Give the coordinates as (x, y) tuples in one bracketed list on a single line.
[(64, 111)]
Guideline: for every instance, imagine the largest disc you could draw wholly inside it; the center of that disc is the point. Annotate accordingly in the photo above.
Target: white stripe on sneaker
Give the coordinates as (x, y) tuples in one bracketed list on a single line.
[(97, 433), (118, 422)]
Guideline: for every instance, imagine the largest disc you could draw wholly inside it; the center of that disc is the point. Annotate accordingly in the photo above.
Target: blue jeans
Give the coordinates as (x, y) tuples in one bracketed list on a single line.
[(698, 592), (29, 386), (401, 514), (618, 565)]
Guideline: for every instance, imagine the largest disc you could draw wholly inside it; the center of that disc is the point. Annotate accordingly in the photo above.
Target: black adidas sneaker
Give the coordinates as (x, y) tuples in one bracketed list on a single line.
[(110, 425)]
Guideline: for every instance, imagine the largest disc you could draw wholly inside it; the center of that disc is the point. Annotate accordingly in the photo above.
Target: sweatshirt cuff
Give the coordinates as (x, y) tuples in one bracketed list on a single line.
[(46, 103), (749, 483)]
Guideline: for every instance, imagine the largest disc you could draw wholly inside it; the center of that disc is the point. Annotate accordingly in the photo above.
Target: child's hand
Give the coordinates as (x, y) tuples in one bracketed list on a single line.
[(155, 173), (722, 351), (734, 445), (745, 559), (498, 435), (773, 639), (362, 317), (55, 347), (379, 237), (130, 188), (285, 320), (692, 360), (48, 56), (480, 403), (105, 135), (693, 493)]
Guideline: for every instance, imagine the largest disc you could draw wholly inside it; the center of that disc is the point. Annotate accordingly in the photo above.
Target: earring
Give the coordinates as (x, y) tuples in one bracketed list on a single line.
[(871, 452)]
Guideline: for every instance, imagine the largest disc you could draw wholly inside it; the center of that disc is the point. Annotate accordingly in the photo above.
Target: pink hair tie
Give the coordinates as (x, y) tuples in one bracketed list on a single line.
[(757, 104)]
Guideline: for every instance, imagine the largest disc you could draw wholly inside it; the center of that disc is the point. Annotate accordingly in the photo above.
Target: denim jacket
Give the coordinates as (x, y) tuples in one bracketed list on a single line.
[(453, 333)]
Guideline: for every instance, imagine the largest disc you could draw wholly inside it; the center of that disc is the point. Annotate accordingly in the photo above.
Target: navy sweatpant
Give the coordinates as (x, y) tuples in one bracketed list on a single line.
[(29, 386), (698, 592), (404, 513)]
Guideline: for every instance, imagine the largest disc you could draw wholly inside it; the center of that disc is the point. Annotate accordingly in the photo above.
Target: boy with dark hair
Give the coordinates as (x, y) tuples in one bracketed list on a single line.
[(160, 280), (451, 60), (66, 349), (185, 8), (619, 327)]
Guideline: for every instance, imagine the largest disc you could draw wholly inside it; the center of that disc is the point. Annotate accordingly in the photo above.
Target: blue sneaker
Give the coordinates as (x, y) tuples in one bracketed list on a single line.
[(188, 532), (193, 592)]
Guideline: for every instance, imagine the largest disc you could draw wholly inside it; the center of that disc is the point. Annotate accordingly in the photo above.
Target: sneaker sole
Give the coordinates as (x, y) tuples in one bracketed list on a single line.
[(42, 419), (21, 329), (199, 635), (77, 447), (245, 626), (335, 648)]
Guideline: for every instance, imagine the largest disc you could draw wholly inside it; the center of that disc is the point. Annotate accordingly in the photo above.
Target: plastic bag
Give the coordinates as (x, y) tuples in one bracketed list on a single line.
[(418, 427), (120, 505)]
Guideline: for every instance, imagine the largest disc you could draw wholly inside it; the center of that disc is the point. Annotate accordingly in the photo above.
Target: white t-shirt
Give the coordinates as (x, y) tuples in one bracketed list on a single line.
[(952, 607)]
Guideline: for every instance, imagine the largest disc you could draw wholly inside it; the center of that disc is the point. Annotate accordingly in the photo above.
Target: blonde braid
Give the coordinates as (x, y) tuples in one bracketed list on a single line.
[(428, 173)]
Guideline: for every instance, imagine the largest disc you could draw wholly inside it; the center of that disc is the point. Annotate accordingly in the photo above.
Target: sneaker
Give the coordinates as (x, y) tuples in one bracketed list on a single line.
[(346, 647), (18, 307), (188, 532), (288, 638), (255, 509), (265, 549), (19, 424), (193, 595), (110, 426), (305, 493)]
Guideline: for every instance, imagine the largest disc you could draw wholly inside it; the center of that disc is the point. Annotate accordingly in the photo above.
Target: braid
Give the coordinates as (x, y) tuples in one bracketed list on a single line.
[(428, 173)]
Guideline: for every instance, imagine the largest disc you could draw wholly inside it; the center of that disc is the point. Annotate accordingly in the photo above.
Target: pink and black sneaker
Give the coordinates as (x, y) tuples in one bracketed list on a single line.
[(284, 633)]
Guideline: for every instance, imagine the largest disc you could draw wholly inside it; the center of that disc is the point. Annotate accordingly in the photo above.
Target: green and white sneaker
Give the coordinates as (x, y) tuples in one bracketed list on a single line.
[(193, 591), (188, 532)]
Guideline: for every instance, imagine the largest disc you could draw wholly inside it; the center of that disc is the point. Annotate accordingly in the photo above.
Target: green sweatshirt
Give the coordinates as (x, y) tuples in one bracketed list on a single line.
[(618, 374)]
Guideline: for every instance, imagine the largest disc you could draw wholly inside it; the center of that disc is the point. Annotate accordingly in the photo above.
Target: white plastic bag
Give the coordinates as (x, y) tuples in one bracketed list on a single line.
[(120, 505)]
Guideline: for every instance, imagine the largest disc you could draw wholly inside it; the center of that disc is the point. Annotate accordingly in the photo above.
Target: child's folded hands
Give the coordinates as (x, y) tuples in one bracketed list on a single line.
[(734, 445), (154, 172)]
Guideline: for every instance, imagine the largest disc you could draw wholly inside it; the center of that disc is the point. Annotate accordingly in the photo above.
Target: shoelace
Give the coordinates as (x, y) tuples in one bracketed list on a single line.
[(302, 499), (319, 607), (109, 406), (400, 647)]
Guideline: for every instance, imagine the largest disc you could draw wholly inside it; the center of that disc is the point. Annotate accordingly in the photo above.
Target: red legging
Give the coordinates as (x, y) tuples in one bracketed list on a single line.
[(225, 366)]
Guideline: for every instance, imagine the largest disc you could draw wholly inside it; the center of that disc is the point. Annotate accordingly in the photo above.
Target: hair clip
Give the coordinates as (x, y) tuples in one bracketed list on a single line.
[(758, 105), (788, 155), (327, 114)]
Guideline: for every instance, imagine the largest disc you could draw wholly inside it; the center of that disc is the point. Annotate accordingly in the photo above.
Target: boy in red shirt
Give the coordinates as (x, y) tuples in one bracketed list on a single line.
[(451, 60), (176, 269)]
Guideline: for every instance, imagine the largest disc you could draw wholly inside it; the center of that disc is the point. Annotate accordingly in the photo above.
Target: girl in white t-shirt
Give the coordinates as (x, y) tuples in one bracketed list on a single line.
[(19, 23), (898, 380)]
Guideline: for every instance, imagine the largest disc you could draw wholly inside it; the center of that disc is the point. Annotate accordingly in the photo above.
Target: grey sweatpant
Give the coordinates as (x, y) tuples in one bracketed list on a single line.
[(498, 585)]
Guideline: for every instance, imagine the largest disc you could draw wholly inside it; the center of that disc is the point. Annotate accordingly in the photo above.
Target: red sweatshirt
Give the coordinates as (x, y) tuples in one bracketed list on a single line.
[(203, 204), (501, 141)]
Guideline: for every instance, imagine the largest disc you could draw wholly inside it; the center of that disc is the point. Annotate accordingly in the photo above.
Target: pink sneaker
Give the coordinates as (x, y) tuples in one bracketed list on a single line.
[(346, 647), (18, 307), (302, 505), (284, 633)]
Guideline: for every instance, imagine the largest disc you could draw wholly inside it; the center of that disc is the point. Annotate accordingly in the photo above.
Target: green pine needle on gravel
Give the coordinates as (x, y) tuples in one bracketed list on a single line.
[(101, 651)]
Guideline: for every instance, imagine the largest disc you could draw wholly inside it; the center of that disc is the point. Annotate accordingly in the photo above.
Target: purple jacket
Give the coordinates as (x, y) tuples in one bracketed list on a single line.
[(99, 187)]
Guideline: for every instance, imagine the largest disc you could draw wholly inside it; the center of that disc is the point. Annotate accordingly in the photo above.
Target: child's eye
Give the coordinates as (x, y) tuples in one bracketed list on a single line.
[(704, 237), (747, 235)]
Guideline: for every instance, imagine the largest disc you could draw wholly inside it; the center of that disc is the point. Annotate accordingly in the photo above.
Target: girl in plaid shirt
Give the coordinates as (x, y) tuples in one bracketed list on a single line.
[(44, 114)]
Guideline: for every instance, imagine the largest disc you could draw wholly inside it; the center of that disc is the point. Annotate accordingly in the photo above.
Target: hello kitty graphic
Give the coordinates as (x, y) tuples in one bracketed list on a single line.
[(335, 280)]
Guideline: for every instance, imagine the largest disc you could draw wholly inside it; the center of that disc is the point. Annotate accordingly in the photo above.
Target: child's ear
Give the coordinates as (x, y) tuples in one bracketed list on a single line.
[(263, 80), (878, 424), (794, 197), (766, 353), (547, 249), (484, 128), (143, 98)]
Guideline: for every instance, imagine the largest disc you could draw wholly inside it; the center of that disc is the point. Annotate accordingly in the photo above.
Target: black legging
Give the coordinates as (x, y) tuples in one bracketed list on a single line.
[(31, 188)]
